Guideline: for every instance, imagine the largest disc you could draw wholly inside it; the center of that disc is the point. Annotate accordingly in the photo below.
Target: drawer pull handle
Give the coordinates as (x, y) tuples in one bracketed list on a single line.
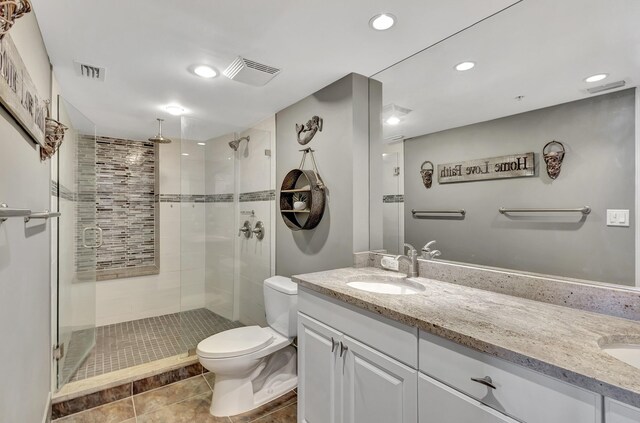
[(333, 344), (343, 348), (486, 381)]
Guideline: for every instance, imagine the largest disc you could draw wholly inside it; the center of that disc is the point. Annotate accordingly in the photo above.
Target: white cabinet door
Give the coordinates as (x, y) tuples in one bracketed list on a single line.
[(617, 412), (319, 376), (376, 388), (438, 403)]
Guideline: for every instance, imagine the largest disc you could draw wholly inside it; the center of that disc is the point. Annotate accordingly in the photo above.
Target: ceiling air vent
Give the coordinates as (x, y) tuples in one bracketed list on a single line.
[(89, 71), (611, 86), (250, 72)]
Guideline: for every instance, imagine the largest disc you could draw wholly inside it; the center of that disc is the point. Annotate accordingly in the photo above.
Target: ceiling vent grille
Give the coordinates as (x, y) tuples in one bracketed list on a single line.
[(607, 87), (84, 70), (250, 72)]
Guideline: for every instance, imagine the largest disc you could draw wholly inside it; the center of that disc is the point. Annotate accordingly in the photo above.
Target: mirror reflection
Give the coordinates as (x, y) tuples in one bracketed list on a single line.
[(514, 142)]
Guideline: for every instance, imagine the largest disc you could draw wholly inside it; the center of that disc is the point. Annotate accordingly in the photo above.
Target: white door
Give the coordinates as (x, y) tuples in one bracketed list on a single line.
[(319, 376), (376, 388), (438, 403), (617, 412)]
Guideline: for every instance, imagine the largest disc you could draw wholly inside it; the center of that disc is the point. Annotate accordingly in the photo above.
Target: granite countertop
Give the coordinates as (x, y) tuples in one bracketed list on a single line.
[(558, 341)]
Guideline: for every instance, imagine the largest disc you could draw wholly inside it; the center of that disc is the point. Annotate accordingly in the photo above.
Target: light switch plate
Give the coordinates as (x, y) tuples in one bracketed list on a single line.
[(617, 217)]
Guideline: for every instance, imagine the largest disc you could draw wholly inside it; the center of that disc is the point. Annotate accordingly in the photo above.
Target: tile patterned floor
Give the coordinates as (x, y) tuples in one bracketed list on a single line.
[(183, 402), (136, 342)]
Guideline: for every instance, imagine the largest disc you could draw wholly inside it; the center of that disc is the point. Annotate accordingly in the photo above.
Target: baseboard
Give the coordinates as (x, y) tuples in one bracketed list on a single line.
[(46, 418)]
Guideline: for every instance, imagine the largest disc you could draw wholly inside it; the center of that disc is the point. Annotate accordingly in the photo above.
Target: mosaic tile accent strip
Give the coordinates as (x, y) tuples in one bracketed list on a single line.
[(136, 342), (393, 198), (220, 198), (125, 177), (266, 195), (59, 190), (195, 198)]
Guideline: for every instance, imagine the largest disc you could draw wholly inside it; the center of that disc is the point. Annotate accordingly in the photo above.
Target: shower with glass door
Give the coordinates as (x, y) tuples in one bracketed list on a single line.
[(150, 265)]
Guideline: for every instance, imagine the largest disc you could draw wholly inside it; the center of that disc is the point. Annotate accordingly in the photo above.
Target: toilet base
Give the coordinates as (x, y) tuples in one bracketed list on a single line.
[(272, 378)]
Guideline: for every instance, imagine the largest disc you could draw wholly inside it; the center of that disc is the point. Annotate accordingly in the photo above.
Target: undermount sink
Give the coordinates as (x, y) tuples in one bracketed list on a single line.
[(385, 285), (628, 353)]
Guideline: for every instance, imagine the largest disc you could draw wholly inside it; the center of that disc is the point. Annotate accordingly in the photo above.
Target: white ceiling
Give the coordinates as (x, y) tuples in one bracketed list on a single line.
[(148, 45), (541, 49)]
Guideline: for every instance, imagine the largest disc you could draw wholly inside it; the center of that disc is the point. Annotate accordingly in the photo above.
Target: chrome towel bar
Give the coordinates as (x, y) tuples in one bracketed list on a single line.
[(42, 215), (584, 210), (7, 212), (451, 211)]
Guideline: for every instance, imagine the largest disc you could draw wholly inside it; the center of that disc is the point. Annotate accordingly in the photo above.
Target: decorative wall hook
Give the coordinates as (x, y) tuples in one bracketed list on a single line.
[(427, 174), (553, 158), (307, 132), (53, 136), (10, 10)]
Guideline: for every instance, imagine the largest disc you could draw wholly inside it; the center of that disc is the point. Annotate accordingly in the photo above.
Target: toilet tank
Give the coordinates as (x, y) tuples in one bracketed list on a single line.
[(281, 305)]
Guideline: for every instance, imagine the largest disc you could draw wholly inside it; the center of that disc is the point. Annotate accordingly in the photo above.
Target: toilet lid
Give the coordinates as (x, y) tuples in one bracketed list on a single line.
[(235, 342)]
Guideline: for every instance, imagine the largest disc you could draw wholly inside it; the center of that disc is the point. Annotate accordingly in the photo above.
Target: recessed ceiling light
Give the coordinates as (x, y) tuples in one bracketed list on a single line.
[(465, 66), (382, 21), (185, 154), (393, 120), (174, 109), (205, 71), (596, 78), (202, 143)]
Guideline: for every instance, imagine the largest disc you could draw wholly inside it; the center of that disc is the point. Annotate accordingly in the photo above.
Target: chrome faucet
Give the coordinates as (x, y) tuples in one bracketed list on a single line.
[(412, 259), (428, 253)]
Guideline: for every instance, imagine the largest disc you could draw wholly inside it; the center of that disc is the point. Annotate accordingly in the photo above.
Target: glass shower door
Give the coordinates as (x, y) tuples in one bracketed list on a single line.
[(226, 213), (78, 239)]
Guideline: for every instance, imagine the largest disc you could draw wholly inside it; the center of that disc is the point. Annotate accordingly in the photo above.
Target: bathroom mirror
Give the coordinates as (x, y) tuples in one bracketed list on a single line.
[(472, 107)]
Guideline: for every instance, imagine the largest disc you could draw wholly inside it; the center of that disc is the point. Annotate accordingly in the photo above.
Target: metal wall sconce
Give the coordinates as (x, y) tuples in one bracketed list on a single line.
[(53, 136), (427, 174), (553, 158)]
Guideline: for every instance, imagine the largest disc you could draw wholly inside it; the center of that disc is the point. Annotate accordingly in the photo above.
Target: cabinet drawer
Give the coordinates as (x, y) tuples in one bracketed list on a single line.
[(439, 403), (519, 392), (388, 336)]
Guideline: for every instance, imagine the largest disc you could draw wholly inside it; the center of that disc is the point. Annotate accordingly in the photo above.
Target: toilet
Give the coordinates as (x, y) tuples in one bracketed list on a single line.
[(254, 365)]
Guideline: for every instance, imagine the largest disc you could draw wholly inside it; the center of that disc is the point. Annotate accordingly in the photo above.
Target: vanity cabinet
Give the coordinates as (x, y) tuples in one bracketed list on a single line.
[(354, 366), (343, 380), (617, 412), (357, 366)]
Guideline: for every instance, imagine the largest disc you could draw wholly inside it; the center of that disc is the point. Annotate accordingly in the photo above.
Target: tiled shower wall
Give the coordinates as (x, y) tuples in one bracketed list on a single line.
[(125, 173)]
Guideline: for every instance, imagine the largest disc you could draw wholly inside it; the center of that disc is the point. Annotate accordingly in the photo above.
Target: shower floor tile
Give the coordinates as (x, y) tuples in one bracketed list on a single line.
[(129, 344)]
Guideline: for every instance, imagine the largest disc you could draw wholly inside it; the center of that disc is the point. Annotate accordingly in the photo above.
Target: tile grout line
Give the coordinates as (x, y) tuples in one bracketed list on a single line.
[(135, 414)]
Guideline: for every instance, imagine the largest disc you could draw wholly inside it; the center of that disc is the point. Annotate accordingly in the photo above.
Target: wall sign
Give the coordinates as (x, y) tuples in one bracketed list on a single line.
[(512, 166), (18, 93)]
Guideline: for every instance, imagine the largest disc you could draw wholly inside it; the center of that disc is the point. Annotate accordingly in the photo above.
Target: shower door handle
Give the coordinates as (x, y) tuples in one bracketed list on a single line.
[(99, 239)]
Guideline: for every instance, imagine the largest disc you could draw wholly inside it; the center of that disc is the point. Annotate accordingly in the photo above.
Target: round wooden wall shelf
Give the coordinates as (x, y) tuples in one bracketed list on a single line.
[(305, 182)]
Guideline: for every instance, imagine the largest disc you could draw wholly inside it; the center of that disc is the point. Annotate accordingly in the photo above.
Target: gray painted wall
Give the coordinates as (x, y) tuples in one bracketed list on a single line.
[(341, 151), (25, 356), (598, 170)]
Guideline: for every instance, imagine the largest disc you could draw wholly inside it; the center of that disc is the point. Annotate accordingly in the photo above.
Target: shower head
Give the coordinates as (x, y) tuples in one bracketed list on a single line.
[(159, 138), (236, 143)]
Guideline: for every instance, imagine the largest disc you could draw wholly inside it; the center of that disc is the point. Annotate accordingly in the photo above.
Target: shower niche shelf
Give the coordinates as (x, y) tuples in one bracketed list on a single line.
[(302, 181)]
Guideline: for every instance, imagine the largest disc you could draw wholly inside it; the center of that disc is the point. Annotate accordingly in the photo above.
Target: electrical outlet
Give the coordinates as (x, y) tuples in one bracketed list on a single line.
[(617, 217)]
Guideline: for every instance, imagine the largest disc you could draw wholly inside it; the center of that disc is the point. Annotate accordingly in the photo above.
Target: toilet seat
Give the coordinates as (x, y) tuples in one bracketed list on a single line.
[(235, 342)]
